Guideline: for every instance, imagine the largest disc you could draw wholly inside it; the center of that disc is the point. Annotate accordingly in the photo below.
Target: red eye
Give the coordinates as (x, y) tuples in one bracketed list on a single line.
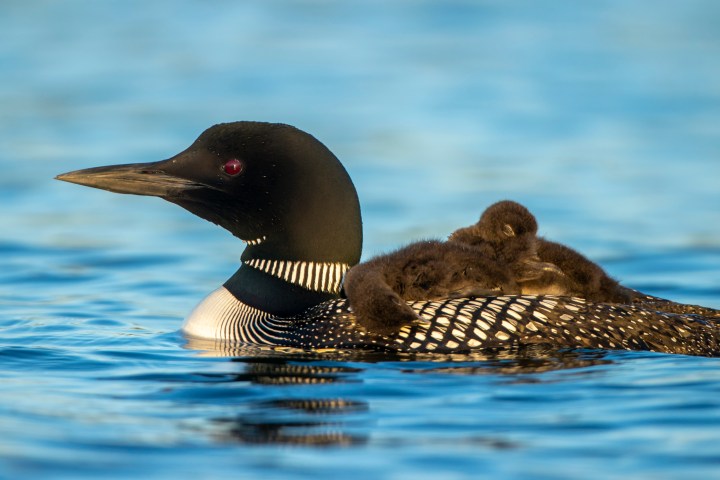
[(233, 167)]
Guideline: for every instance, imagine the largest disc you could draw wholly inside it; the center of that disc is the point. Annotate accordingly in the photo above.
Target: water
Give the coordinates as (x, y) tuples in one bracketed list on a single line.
[(602, 117)]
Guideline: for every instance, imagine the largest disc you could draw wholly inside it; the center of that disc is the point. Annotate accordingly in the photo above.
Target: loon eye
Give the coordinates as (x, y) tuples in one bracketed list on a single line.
[(233, 167)]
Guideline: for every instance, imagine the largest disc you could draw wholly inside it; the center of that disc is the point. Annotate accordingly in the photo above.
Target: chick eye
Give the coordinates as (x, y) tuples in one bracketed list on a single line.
[(233, 167)]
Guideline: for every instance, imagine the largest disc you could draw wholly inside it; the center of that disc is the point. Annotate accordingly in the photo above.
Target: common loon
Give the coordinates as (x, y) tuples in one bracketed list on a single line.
[(290, 200), (496, 256), (512, 229)]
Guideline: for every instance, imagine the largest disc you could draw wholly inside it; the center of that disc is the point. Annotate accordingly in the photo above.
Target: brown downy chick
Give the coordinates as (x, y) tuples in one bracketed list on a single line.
[(379, 289), (564, 272)]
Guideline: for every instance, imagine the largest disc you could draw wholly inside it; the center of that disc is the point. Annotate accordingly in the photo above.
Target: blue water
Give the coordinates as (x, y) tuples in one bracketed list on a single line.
[(603, 117)]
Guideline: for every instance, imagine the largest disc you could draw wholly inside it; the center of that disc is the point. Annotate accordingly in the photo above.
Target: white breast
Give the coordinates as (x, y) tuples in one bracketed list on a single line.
[(221, 316)]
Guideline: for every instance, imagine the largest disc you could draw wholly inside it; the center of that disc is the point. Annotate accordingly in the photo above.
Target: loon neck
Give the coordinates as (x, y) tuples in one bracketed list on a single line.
[(285, 287)]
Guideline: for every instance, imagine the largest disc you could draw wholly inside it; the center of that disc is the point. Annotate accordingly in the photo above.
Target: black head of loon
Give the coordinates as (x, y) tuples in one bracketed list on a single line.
[(273, 186)]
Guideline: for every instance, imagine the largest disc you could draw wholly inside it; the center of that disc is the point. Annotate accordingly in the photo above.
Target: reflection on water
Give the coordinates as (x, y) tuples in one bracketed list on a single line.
[(281, 372), (303, 409), (269, 363), (292, 421), (524, 361), (311, 421), (337, 421)]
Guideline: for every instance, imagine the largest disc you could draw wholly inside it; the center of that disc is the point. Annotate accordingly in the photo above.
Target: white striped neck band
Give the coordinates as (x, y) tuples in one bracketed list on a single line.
[(256, 241), (317, 276)]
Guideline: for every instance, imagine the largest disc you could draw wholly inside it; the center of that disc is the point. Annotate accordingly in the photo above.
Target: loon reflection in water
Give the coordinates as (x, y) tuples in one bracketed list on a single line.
[(320, 421), (290, 200)]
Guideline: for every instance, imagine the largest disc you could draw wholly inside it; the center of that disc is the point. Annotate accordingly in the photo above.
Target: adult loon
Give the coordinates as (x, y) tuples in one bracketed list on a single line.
[(291, 201)]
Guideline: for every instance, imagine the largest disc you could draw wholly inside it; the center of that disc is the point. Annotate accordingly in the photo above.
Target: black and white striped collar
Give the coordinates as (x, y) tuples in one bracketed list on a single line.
[(256, 241), (317, 276)]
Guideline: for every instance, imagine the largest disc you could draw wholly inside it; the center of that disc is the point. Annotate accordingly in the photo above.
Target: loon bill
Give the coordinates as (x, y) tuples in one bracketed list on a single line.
[(291, 201)]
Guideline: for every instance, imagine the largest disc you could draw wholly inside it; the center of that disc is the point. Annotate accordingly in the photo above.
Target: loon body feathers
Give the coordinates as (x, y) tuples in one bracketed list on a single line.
[(291, 201), (457, 325)]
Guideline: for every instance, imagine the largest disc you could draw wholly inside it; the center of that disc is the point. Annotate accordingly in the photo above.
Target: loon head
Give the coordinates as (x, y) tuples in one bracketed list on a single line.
[(273, 186)]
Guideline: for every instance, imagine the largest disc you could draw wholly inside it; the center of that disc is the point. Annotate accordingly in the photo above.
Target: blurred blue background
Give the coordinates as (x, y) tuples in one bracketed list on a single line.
[(602, 117)]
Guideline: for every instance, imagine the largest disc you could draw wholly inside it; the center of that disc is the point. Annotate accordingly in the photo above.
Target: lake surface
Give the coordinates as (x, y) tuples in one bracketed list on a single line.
[(603, 118)]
